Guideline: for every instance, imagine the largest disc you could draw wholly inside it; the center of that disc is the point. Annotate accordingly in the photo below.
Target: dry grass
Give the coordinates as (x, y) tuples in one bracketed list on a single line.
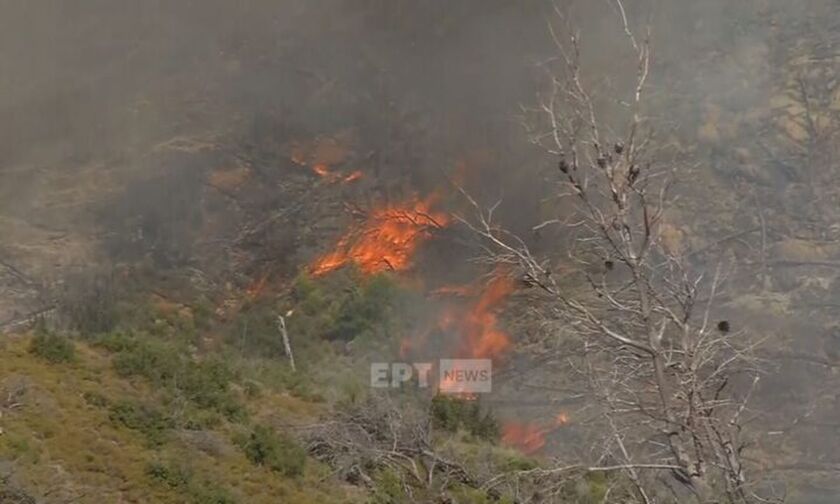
[(64, 446)]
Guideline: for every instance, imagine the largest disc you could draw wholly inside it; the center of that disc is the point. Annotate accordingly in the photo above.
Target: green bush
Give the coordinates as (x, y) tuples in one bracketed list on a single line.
[(52, 347), (203, 312), (157, 362), (179, 478), (115, 341), (255, 331), (265, 447), (150, 422), (269, 374), (208, 493), (343, 307), (253, 390), (466, 495), (389, 489), (362, 309), (517, 462), (205, 384), (172, 475), (452, 414), (197, 419), (95, 399)]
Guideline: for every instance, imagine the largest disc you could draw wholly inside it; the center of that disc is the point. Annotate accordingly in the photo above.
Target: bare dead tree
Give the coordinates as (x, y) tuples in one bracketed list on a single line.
[(379, 434), (671, 383), (361, 441), (287, 346)]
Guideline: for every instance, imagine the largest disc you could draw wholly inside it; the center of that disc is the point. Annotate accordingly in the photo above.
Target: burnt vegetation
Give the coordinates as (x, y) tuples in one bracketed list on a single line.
[(219, 218)]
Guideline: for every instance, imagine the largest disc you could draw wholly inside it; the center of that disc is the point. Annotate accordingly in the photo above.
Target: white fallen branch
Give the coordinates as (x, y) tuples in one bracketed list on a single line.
[(281, 325)]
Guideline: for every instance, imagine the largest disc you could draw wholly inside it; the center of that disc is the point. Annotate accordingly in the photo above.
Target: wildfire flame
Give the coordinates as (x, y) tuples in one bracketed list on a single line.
[(449, 386), (477, 325), (530, 437), (354, 176), (325, 172), (322, 170), (256, 288), (483, 337), (321, 154), (387, 240), (472, 320), (526, 437)]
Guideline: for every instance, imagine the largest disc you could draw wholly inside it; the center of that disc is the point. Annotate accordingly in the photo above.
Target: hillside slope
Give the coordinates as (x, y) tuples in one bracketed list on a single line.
[(77, 431)]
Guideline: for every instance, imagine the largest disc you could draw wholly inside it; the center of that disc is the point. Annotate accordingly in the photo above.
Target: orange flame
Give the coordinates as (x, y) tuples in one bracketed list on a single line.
[(323, 153), (484, 339), (322, 170), (530, 437), (473, 320), (481, 337), (526, 437), (388, 239), (256, 288), (448, 385), (354, 176)]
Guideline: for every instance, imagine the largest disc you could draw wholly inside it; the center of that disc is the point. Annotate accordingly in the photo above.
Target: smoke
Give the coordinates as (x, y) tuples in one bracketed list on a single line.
[(113, 113), (101, 81)]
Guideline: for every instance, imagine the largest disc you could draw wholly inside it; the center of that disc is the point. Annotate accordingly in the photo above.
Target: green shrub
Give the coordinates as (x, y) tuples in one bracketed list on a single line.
[(253, 390), (343, 307), (362, 309), (206, 384), (452, 414), (517, 462), (265, 447), (150, 422), (52, 347), (157, 362), (179, 478), (267, 373), (255, 331), (95, 399), (115, 341), (209, 493), (13, 446), (203, 313), (466, 495), (170, 474), (389, 489), (201, 420)]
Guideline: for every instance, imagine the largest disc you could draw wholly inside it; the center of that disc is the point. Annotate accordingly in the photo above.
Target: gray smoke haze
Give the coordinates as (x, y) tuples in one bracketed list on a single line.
[(104, 80), (90, 90)]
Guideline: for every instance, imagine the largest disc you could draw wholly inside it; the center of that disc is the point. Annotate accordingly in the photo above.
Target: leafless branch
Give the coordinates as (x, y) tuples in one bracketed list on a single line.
[(668, 379)]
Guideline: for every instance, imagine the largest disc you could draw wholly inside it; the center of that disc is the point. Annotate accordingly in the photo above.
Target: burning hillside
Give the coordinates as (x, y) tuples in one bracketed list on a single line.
[(324, 154), (467, 324), (530, 437), (387, 240), (173, 172), (479, 326)]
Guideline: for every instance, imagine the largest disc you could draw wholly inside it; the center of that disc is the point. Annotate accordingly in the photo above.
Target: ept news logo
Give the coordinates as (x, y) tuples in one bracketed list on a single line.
[(455, 376)]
